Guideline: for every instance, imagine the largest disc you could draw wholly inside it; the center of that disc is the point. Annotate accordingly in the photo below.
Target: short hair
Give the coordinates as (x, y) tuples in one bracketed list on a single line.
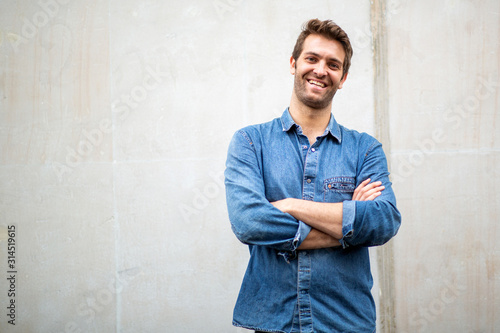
[(327, 29)]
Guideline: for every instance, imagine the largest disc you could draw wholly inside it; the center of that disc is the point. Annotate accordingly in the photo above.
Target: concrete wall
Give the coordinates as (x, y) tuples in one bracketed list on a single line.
[(114, 122), (444, 98)]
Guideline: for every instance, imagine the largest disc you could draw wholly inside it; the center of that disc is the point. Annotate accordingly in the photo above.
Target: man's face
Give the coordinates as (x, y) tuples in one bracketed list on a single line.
[(318, 71)]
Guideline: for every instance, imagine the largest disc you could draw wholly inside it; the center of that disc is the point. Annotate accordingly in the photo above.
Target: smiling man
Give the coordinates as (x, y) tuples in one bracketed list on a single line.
[(309, 197)]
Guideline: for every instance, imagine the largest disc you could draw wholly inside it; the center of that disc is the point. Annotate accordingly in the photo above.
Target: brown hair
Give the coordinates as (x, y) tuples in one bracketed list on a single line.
[(327, 29)]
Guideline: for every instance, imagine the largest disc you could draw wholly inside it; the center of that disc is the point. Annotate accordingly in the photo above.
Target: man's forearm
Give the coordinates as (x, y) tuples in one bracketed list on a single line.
[(324, 216), (318, 240)]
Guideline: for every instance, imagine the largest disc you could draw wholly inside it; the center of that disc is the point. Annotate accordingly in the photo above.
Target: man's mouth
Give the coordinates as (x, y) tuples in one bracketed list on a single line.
[(317, 83)]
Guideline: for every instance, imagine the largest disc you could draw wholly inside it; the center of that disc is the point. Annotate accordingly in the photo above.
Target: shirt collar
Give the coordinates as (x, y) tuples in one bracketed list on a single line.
[(333, 127)]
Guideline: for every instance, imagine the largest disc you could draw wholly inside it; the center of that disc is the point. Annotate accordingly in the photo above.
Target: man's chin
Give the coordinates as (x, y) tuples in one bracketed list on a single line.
[(317, 104)]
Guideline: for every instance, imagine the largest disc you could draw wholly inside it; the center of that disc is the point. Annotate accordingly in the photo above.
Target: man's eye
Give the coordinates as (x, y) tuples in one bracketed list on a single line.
[(334, 66)]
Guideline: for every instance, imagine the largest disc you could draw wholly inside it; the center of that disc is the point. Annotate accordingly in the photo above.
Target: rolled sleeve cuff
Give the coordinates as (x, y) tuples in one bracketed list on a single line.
[(348, 216), (301, 234)]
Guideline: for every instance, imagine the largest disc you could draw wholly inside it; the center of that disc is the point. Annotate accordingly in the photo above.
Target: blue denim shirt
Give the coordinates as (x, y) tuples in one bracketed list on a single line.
[(290, 290)]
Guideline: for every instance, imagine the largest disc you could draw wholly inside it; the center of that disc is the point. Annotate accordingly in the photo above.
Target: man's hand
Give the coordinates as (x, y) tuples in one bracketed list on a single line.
[(367, 191)]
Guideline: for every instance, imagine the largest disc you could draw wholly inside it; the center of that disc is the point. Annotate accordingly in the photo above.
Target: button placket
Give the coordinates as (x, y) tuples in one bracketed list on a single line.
[(310, 171), (304, 299)]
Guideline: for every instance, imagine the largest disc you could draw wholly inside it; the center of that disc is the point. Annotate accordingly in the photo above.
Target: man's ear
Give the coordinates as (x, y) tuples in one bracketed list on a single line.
[(292, 65), (342, 81)]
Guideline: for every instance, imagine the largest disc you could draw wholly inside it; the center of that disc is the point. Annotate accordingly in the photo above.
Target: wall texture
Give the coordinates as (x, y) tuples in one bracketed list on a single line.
[(114, 122), (444, 99)]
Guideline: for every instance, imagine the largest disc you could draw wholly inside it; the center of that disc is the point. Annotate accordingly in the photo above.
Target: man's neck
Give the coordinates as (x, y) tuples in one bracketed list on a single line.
[(312, 121)]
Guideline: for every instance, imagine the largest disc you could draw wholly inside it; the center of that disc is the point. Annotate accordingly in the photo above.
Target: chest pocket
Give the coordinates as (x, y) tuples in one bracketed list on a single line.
[(337, 189)]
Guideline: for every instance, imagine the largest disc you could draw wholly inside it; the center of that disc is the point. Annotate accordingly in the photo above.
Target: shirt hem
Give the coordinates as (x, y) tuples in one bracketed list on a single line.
[(256, 328)]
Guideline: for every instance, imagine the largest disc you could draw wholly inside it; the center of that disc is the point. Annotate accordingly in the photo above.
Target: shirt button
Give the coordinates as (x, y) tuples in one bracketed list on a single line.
[(309, 181), (313, 150)]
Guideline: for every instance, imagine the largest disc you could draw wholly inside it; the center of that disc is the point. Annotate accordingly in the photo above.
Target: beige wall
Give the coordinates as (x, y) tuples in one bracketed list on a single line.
[(114, 122)]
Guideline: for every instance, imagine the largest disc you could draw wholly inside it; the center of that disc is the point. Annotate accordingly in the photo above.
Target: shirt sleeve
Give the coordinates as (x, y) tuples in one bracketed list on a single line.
[(254, 220), (371, 223)]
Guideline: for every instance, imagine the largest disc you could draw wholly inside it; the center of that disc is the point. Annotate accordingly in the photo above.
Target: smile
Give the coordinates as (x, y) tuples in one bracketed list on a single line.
[(316, 83)]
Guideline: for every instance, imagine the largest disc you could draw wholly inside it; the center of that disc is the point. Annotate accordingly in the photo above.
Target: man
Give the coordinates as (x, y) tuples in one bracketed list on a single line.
[(309, 197)]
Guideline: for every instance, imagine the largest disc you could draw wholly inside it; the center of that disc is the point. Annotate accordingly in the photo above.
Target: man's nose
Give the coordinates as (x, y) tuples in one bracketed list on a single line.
[(320, 69)]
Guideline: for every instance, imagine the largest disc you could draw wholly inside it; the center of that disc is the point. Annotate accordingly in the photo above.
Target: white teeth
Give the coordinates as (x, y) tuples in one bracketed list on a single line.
[(316, 83)]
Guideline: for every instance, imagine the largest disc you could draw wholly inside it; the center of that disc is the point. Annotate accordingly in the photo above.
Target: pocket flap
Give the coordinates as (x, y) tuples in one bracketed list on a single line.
[(340, 184)]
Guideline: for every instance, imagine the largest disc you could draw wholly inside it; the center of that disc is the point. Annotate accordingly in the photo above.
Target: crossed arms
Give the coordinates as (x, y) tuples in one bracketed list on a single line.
[(290, 223), (325, 218)]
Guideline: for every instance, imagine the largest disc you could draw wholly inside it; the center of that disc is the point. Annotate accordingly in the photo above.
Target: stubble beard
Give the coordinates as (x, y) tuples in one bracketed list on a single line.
[(313, 102)]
